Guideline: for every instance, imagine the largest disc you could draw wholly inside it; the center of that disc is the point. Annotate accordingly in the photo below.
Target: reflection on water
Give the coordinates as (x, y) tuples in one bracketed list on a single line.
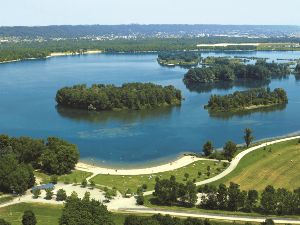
[(208, 87), (241, 114), (127, 116)]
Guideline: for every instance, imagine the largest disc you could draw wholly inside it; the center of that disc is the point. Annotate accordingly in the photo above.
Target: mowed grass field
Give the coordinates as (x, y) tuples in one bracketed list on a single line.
[(276, 165), (46, 214), (122, 183), (77, 175)]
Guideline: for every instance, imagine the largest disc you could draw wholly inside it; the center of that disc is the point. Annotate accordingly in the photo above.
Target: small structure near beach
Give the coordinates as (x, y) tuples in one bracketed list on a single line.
[(43, 187)]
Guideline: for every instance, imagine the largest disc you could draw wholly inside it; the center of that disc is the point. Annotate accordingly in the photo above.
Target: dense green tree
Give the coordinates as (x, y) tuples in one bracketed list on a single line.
[(29, 218), (251, 201), (78, 211), (222, 197), (61, 195), (208, 148), (229, 150), (60, 156), (268, 200), (245, 100), (49, 194), (236, 198), (140, 199), (248, 137), (36, 193), (15, 177), (224, 69), (109, 97)]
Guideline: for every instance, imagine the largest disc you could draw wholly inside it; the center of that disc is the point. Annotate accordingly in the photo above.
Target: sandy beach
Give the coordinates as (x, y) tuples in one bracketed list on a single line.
[(176, 164), (228, 44)]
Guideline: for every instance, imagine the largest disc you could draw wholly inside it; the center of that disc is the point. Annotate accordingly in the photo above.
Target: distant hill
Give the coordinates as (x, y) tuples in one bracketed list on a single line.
[(135, 30)]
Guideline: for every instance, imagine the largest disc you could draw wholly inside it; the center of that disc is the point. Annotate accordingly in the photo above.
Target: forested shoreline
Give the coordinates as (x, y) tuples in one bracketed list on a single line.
[(247, 100), (134, 96), (21, 50), (229, 70)]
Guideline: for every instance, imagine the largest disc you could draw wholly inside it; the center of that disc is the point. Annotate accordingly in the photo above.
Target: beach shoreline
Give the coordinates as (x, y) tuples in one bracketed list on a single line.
[(173, 164)]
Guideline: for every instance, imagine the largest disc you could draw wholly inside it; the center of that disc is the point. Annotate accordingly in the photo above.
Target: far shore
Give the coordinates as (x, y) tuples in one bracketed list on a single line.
[(56, 54)]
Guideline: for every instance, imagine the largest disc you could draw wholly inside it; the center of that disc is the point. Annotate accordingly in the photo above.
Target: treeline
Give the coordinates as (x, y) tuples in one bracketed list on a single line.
[(225, 69), (20, 156), (109, 97), (246, 100), (171, 192), (271, 201), (186, 58), (41, 49)]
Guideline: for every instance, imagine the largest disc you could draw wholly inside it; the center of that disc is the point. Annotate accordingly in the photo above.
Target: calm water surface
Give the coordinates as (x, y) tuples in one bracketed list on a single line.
[(133, 137)]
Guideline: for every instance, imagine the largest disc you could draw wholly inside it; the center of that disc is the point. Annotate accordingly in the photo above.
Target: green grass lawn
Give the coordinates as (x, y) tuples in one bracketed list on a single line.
[(47, 214), (279, 167), (6, 198), (122, 183), (78, 174)]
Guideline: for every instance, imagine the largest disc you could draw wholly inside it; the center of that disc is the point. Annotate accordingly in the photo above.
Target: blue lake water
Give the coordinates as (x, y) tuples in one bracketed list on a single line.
[(28, 108)]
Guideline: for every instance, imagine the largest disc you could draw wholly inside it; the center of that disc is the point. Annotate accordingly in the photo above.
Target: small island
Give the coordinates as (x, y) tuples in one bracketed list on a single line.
[(225, 69), (247, 100), (185, 59), (134, 96)]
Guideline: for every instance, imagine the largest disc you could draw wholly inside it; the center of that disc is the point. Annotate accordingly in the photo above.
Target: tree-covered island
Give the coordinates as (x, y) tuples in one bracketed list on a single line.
[(134, 96), (228, 70), (185, 59), (247, 100)]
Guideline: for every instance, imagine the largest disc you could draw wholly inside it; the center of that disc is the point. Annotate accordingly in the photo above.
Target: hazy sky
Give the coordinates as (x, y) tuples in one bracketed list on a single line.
[(48, 12)]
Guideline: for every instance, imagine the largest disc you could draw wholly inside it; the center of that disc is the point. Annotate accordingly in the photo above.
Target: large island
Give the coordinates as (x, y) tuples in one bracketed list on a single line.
[(247, 100), (109, 97), (228, 70)]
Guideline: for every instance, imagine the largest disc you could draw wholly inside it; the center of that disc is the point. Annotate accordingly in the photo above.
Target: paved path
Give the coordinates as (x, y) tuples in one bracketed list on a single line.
[(212, 216), (238, 158)]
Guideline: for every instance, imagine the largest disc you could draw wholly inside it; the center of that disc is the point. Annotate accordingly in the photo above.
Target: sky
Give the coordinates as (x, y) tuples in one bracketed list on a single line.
[(73, 12)]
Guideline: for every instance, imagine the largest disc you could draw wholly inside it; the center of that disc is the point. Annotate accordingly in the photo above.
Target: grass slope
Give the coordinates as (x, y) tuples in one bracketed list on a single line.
[(277, 165), (122, 183), (75, 174)]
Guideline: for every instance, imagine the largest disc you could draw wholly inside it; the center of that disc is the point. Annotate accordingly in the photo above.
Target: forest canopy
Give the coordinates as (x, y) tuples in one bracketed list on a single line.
[(20, 156), (109, 97), (224, 69), (247, 100)]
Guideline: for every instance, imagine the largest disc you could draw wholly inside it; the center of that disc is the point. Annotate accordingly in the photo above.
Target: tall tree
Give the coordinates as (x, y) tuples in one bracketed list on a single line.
[(208, 148), (248, 137), (28, 218), (230, 149)]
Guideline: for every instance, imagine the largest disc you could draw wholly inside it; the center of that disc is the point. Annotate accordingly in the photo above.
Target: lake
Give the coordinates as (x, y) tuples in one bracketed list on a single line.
[(28, 108)]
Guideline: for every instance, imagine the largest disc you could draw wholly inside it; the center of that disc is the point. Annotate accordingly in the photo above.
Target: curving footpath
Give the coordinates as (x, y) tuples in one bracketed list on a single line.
[(213, 216), (238, 158)]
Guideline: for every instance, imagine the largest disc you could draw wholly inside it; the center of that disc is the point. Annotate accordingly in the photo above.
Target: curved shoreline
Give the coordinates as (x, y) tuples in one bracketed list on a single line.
[(176, 164), (173, 165)]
